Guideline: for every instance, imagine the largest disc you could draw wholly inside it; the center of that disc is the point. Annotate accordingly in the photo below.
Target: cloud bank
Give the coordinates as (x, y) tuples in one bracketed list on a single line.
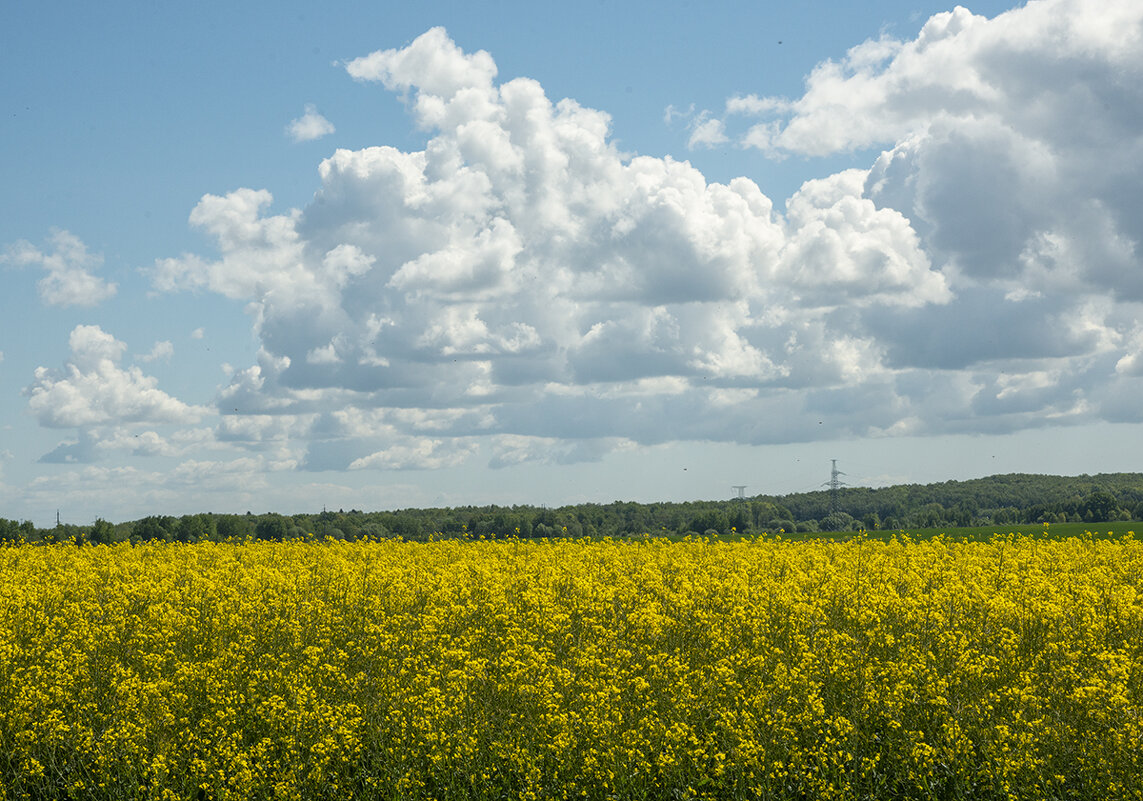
[(523, 288)]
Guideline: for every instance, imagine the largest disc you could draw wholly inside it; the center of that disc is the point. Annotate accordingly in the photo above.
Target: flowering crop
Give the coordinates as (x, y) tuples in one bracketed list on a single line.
[(569, 669)]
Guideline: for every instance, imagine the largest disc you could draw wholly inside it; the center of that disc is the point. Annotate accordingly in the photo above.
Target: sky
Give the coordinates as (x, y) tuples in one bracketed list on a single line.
[(281, 257)]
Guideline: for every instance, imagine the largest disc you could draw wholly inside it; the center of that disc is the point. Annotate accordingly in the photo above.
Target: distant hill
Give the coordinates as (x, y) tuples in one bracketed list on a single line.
[(1009, 498)]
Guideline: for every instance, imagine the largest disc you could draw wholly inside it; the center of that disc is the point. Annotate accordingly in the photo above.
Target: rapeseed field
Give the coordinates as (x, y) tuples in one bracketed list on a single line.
[(573, 669)]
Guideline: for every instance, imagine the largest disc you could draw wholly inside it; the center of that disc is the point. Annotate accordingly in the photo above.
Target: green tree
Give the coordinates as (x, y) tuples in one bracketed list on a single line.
[(194, 528), (407, 527), (232, 527), (1099, 507), (102, 532), (710, 520), (931, 515), (271, 527), (838, 521), (153, 528), (11, 531)]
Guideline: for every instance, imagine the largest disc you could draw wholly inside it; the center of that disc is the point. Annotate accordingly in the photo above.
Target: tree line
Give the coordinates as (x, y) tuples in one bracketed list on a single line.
[(1011, 499)]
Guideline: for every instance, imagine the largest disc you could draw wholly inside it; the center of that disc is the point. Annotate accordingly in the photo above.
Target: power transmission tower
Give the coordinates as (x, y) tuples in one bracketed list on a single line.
[(835, 484)]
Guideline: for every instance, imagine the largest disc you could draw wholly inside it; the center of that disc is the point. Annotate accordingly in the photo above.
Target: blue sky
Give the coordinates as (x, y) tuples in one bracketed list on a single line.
[(275, 257)]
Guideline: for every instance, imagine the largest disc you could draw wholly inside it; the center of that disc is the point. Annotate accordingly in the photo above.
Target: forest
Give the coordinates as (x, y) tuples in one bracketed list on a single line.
[(1012, 499)]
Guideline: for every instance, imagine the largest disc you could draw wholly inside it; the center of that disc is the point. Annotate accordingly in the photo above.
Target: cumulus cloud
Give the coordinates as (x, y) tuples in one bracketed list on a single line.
[(522, 282), (70, 279), (214, 475), (707, 131), (510, 450), (1012, 142), (93, 389), (843, 249), (419, 453), (94, 444), (309, 126), (436, 67), (1055, 69), (161, 351), (272, 435)]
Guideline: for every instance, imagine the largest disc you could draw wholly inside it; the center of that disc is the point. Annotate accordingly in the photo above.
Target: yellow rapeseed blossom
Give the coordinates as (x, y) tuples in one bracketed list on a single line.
[(761, 669)]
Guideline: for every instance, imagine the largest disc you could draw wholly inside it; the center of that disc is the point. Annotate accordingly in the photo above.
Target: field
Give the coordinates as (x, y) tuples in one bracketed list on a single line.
[(771, 669)]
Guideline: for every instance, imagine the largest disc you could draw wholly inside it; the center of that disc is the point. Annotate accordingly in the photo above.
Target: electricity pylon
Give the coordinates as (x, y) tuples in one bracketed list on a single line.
[(834, 485)]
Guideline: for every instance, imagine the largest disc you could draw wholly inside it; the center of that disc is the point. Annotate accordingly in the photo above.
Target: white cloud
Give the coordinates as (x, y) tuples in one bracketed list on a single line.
[(1131, 362), (521, 279), (163, 351), (843, 249), (756, 106), (221, 475), (263, 431), (511, 450), (1052, 68), (434, 65), (1012, 141), (263, 254), (69, 280), (94, 444), (670, 114), (417, 453), (309, 126), (139, 443), (93, 389), (707, 131), (198, 333)]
